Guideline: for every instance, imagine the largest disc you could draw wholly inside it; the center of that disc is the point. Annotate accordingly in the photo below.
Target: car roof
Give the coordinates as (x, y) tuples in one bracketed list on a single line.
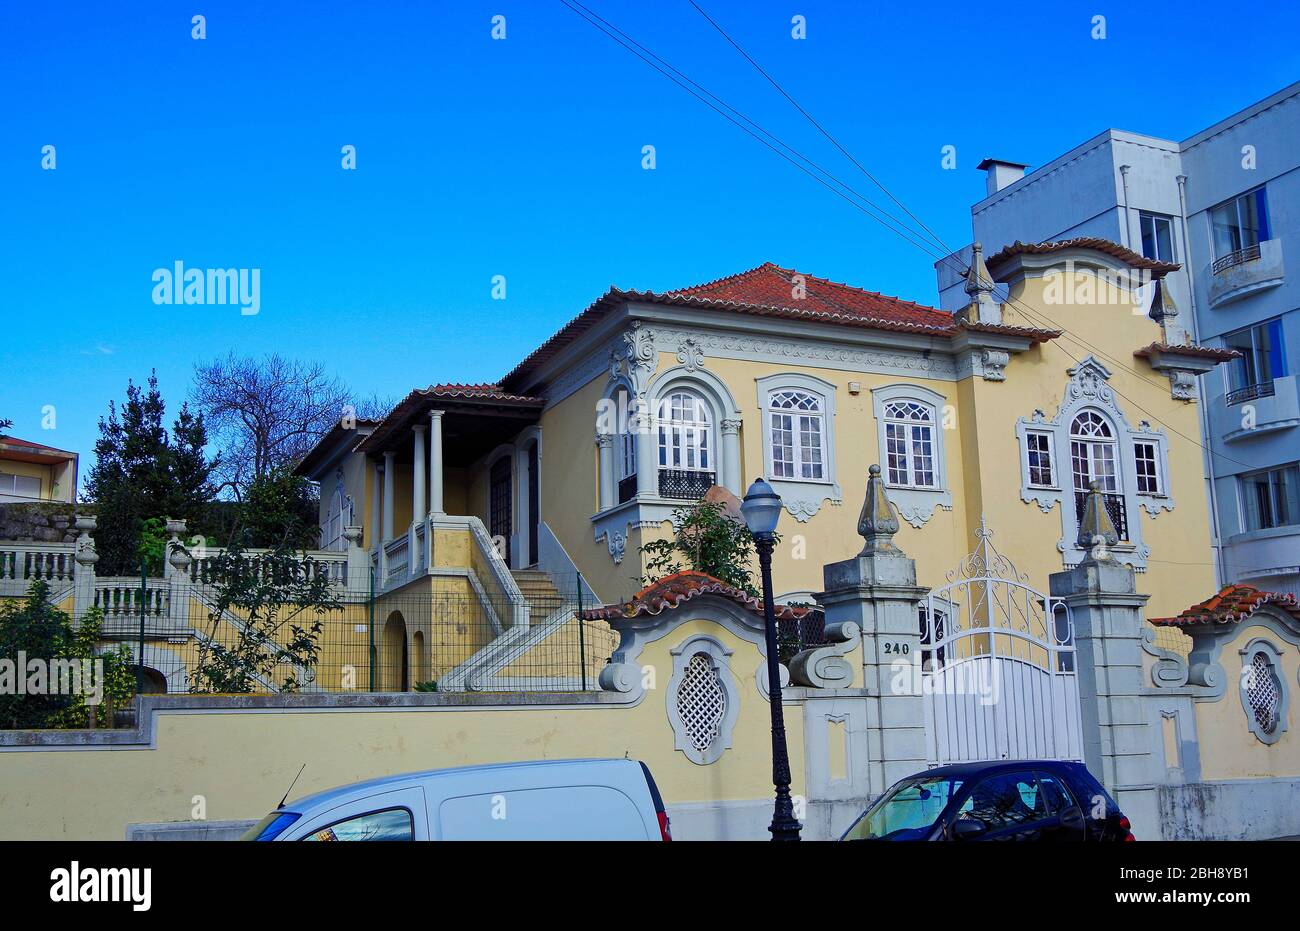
[(986, 767), (340, 793)]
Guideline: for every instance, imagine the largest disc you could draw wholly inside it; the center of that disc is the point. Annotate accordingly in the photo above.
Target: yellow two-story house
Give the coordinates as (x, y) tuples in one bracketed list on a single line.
[(1068, 367)]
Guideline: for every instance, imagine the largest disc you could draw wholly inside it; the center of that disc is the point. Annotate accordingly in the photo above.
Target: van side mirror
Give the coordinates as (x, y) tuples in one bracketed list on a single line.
[(968, 829)]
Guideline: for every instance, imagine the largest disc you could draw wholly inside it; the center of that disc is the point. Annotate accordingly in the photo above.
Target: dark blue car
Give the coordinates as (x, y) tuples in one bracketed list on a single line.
[(1007, 800)]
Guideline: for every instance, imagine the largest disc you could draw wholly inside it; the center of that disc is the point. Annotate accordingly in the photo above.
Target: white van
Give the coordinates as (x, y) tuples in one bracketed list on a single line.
[(544, 800)]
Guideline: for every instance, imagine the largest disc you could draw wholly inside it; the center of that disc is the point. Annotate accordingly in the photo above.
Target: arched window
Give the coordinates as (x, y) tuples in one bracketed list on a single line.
[(909, 443), (1092, 453), (798, 437), (687, 467), (339, 516)]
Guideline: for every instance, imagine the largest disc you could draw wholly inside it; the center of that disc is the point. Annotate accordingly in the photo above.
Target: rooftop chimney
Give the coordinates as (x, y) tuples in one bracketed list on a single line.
[(1001, 174)]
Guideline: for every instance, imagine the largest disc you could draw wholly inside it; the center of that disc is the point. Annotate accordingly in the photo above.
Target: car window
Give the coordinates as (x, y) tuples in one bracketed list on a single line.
[(1005, 800), (389, 824), (1055, 795), (910, 807), (558, 813)]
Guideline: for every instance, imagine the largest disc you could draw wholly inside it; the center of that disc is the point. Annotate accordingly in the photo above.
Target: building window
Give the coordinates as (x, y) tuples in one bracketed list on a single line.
[(625, 448), (1263, 692), (1146, 457), (1240, 223), (1262, 360), (1039, 447), (685, 434), (909, 444), (1157, 237), (798, 448), (20, 486), (1092, 453), (1271, 498)]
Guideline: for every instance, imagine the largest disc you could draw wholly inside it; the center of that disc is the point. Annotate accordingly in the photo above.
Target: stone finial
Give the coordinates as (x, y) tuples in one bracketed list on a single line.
[(979, 286), (878, 523), (1096, 530)]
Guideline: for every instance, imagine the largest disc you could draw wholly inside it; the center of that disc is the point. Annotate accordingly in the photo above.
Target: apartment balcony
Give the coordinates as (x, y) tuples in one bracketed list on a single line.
[(1246, 271), (1258, 409), (685, 484)]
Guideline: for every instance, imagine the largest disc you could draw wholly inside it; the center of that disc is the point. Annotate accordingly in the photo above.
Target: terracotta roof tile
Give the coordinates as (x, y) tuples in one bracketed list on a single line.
[(1230, 605), (1199, 352), (672, 590), (1113, 249)]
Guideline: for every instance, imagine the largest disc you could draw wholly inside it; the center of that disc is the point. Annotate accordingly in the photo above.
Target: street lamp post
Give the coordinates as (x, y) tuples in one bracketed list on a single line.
[(762, 509)]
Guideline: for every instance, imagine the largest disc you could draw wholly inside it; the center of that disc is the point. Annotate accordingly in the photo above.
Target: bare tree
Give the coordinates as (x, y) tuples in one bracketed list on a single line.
[(265, 413)]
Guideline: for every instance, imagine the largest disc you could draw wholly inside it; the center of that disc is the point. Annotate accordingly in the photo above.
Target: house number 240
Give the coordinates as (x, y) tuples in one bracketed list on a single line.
[(896, 648)]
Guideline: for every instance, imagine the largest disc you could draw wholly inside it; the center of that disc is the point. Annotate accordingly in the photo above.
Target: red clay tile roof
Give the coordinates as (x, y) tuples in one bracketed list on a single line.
[(771, 287), (417, 400), (768, 291), (14, 441), (672, 590), (1233, 603), (1199, 352), (1113, 249)]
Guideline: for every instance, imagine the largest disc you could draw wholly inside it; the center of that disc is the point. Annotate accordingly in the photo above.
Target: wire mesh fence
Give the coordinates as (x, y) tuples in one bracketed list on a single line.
[(451, 635)]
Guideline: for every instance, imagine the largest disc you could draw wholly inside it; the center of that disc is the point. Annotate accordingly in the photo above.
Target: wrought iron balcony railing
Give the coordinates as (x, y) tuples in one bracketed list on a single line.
[(1249, 393), (685, 484), (626, 489), (1115, 508), (1240, 257)]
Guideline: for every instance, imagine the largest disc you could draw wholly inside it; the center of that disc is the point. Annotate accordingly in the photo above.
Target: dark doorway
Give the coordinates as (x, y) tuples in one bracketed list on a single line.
[(500, 518), (534, 505)]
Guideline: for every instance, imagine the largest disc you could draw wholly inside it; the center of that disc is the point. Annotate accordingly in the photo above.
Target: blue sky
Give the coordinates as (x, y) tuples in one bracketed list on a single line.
[(478, 157)]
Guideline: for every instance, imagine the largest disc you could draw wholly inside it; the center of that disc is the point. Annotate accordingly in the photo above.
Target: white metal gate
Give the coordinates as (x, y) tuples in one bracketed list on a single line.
[(998, 666)]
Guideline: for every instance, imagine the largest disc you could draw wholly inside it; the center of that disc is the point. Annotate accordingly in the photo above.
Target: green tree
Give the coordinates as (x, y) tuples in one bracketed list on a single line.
[(280, 507), (707, 540), (36, 629), (282, 604), (141, 471)]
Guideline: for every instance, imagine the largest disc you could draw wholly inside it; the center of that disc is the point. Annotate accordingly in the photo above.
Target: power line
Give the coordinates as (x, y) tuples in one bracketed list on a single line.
[(1031, 313)]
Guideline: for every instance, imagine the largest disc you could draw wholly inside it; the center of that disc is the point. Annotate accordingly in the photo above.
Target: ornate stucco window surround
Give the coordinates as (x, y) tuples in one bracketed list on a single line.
[(686, 424), (909, 424), (797, 428), (1265, 695), (1089, 437)]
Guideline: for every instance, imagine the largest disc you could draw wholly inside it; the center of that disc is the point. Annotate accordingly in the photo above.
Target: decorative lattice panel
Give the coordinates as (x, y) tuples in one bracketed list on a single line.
[(1263, 693), (701, 702)]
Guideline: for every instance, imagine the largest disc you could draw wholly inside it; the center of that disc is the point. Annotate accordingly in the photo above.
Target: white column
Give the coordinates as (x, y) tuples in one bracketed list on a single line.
[(435, 462), (730, 476), (389, 473), (605, 459), (417, 471), (376, 495), (647, 454)]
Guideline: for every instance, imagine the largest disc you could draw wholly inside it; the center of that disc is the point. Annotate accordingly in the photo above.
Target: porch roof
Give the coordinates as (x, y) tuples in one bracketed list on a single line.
[(26, 451), (1232, 604), (476, 418), (672, 591)]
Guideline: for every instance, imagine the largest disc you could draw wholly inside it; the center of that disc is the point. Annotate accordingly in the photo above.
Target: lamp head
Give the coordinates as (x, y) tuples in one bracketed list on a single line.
[(761, 509)]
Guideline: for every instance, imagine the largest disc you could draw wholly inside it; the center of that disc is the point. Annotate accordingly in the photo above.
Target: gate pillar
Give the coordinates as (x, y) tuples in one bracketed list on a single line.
[(877, 591), (1107, 614)]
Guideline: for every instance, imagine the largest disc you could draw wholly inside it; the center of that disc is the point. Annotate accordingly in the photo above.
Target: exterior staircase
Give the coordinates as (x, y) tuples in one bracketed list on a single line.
[(543, 598)]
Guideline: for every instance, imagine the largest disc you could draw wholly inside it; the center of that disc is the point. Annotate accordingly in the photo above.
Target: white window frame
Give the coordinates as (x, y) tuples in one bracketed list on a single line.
[(802, 497), (1099, 449), (12, 489), (1157, 470), (800, 460), (1052, 459), (915, 503), (688, 439), (910, 428), (1155, 219), (1242, 495), (1263, 233)]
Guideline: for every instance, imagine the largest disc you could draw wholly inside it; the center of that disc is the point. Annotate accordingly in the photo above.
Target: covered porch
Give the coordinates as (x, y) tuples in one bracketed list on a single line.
[(460, 459)]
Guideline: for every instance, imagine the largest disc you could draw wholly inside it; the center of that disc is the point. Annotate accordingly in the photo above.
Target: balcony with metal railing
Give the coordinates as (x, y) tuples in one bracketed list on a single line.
[(1245, 271), (1257, 410), (685, 484)]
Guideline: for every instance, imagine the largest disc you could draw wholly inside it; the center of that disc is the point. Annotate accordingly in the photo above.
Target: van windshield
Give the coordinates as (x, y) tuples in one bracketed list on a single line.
[(907, 812)]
